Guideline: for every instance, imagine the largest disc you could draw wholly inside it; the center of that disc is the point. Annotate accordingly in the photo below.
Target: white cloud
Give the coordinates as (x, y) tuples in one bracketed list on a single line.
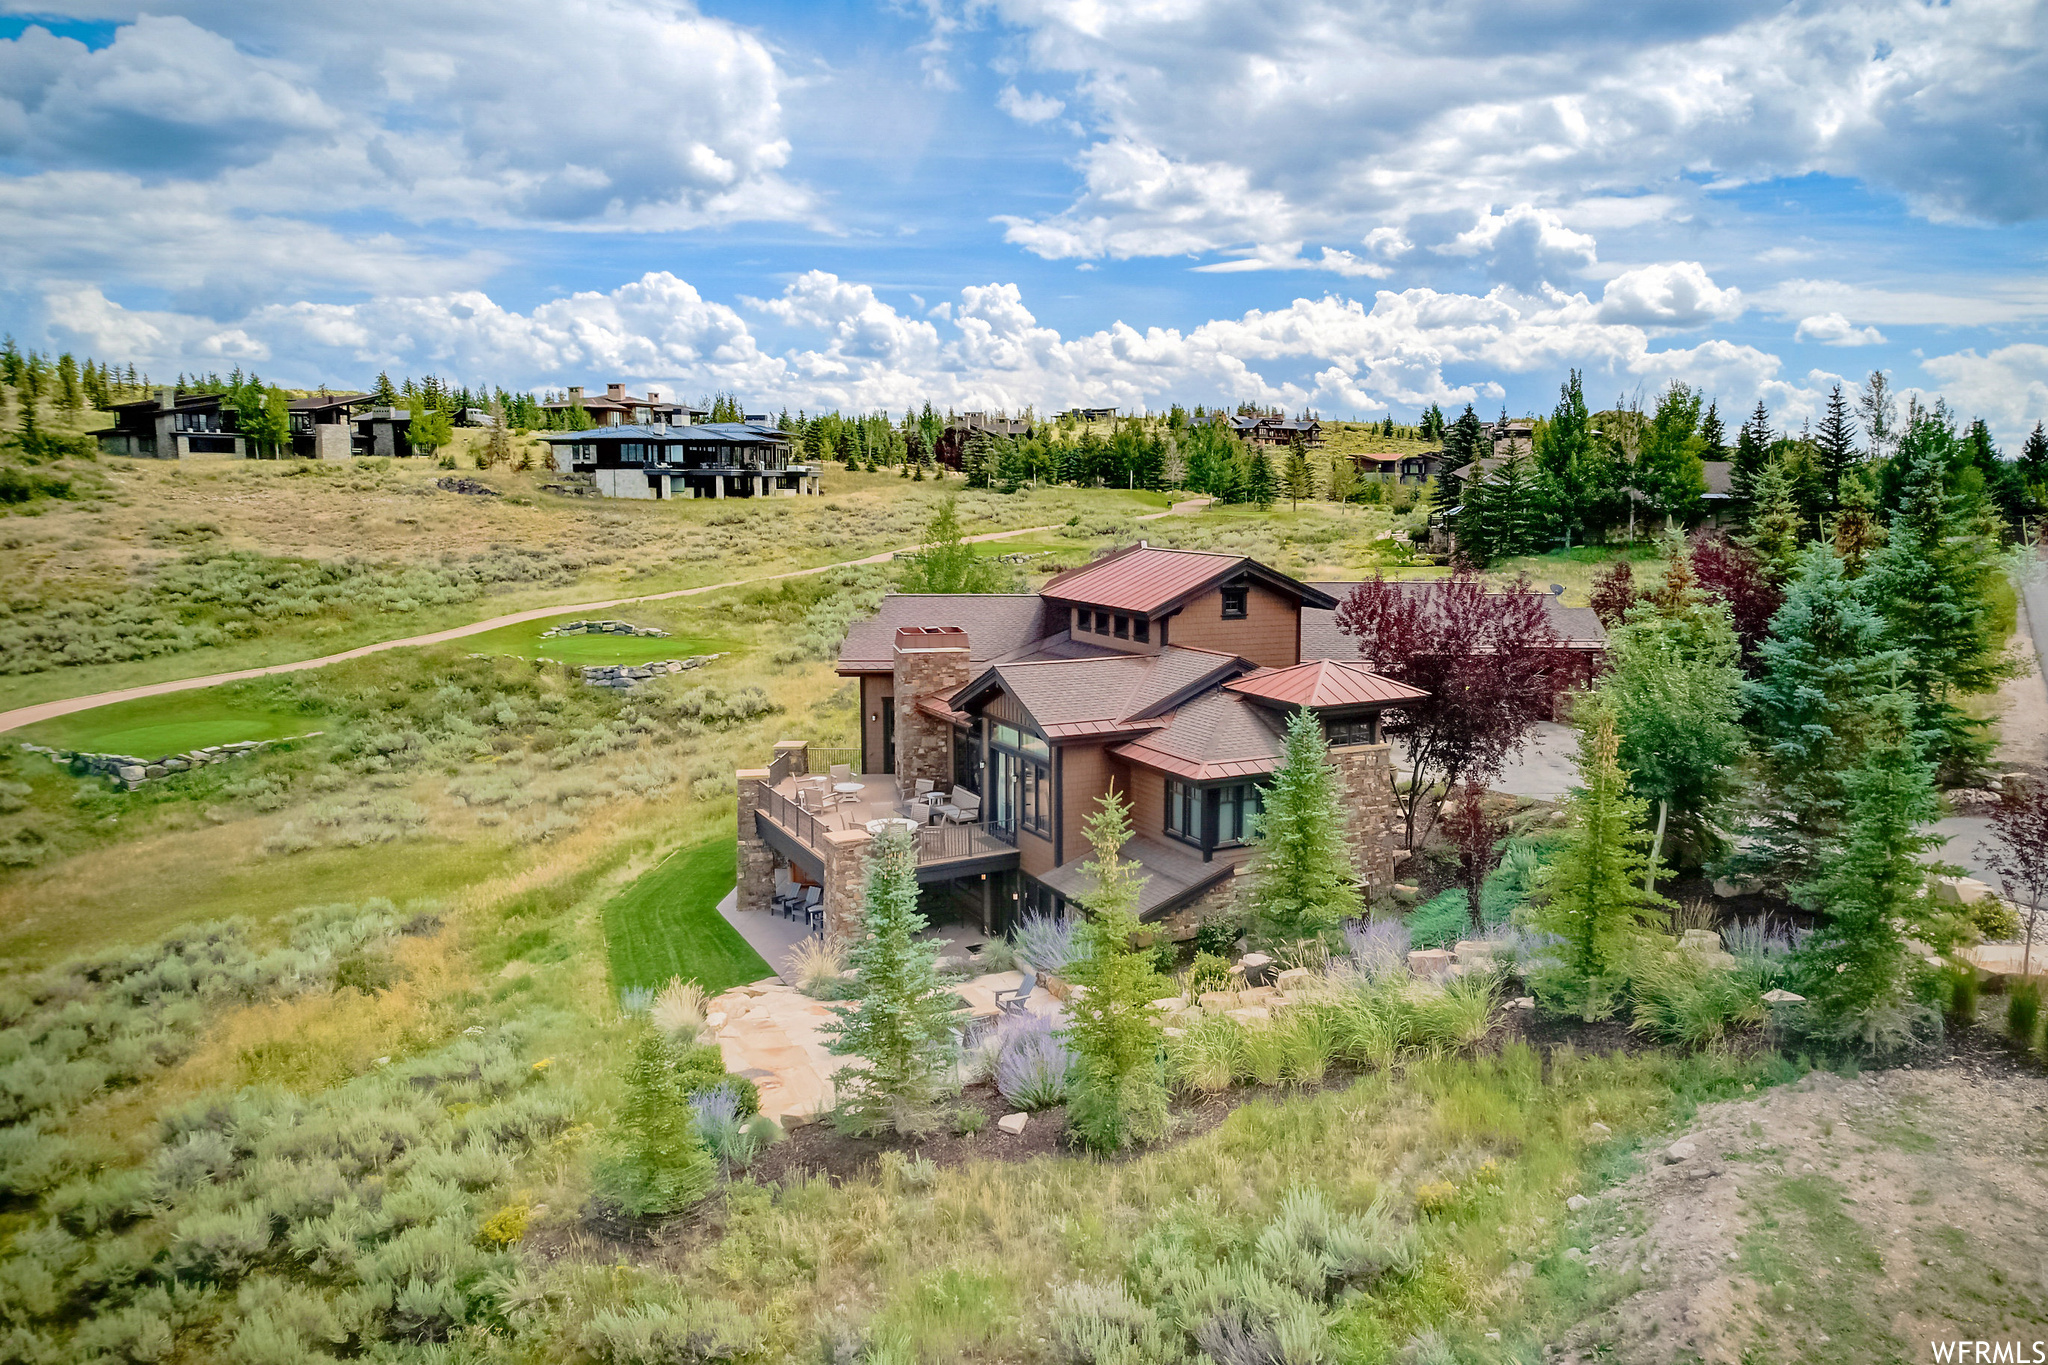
[(1034, 108), (1525, 246), (2009, 386), (1832, 329), (1678, 294)]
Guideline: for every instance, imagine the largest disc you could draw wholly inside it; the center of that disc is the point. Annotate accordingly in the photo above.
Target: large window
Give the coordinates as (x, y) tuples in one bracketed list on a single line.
[(632, 452), (1233, 807), (1364, 730), (1020, 792), (1183, 811), (967, 757), (1237, 807)]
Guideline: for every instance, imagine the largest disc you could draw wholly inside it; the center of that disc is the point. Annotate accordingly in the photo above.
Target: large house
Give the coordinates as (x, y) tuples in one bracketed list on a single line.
[(1165, 675), (621, 409), (1268, 429), (951, 447), (715, 460), (323, 425), (174, 425), (1391, 467)]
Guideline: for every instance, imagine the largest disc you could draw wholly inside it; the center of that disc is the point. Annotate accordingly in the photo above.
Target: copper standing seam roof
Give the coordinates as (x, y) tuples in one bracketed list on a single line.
[(1324, 682), (1141, 579)]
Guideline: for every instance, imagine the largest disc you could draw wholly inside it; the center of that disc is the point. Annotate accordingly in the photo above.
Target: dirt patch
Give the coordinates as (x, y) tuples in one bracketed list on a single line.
[(1840, 1218)]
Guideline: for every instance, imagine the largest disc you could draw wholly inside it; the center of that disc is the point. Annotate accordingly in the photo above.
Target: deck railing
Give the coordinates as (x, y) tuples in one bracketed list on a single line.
[(803, 826), (950, 843)]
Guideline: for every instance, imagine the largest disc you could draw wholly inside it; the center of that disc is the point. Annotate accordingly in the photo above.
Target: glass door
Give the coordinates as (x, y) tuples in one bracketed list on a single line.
[(1002, 794)]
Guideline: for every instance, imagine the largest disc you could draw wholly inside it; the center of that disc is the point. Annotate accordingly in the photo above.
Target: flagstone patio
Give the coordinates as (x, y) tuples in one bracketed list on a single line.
[(774, 1035)]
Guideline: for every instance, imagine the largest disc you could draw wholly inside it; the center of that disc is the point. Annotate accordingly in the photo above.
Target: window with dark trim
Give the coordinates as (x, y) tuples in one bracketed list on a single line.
[(1141, 628), (1183, 811), (1237, 807), (1236, 602), (1364, 730), (1123, 627)]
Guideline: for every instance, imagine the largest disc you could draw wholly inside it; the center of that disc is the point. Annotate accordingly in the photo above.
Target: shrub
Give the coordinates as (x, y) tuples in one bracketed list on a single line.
[(1262, 1052), (814, 966), (1308, 1040), (678, 1012), (1206, 1057), (669, 1333), (1958, 987), (1379, 948), (1458, 1015), (1208, 972), (1046, 942), (2023, 1013), (659, 1166), (1033, 1062), (506, 1227), (1218, 934), (1681, 999), (723, 1125), (1994, 919)]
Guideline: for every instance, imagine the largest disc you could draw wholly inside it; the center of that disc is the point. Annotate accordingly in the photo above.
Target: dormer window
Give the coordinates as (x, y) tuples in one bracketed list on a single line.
[(1236, 602), (1123, 627), (1141, 629)]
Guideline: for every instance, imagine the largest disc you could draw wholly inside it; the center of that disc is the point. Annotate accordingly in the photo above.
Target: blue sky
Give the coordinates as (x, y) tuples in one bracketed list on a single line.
[(1357, 208)]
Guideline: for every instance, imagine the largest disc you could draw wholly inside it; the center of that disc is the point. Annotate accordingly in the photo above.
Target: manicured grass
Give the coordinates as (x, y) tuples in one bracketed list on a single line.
[(525, 641), (152, 726), (667, 924)]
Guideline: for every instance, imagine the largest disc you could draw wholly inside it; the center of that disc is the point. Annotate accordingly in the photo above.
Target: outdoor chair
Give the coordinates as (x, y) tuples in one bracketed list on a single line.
[(842, 772), (1012, 1002), (800, 905), (785, 889), (963, 809), (815, 913)]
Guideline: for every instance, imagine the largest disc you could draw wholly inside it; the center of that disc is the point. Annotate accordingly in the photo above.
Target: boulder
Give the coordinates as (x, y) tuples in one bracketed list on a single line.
[(1467, 949), (1292, 977), (1429, 964), (1013, 1124), (1599, 1132), (1960, 890), (154, 770), (129, 772), (1577, 1202), (1685, 1149), (1407, 892), (1522, 1002), (1700, 941), (1218, 1000), (1782, 997), (1171, 1004), (1251, 1014)]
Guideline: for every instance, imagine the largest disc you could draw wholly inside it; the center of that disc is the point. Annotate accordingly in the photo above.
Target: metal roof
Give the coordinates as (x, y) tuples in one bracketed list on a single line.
[(1324, 683), (1147, 579), (998, 625), (710, 433), (326, 400)]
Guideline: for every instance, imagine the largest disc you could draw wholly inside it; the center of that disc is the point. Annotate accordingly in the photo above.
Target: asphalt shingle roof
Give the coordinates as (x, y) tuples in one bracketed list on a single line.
[(1578, 627), (998, 626)]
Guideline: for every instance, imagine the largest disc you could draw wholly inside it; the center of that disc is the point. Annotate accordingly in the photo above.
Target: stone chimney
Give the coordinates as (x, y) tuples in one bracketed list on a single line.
[(575, 393), (167, 398), (615, 392), (929, 661), (654, 395)]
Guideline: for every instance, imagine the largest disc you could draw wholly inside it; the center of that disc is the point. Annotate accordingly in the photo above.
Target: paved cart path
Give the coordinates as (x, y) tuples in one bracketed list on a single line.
[(49, 710)]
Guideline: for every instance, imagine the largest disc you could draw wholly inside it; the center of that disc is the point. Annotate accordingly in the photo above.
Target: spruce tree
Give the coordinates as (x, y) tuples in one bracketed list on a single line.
[(1299, 478), (901, 1024), (659, 1164), (383, 394), (1304, 883), (1566, 462), (1752, 452), (1854, 969), (1825, 655), (1591, 896), (1713, 438), (1835, 442), (1260, 484), (70, 396), (1932, 583), (1776, 530), (1668, 471), (1119, 1088)]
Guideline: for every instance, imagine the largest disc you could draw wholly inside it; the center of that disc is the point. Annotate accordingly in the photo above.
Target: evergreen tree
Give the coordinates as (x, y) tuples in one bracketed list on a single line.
[(1776, 529), (901, 1023), (977, 459), (660, 1165), (1713, 439), (1880, 414), (1119, 1086), (1854, 968), (1932, 584), (945, 562), (1752, 452), (70, 396), (11, 364), (1825, 655), (1591, 896), (382, 393), (2034, 455), (1298, 478), (1567, 461), (1260, 483), (1305, 883), (1857, 530), (1835, 443), (1668, 471)]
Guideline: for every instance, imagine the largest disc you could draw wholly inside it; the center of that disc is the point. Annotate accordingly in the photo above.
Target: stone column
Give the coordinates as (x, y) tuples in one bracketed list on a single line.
[(718, 485), (846, 881), (930, 661), (1366, 789), (799, 751), (756, 859)]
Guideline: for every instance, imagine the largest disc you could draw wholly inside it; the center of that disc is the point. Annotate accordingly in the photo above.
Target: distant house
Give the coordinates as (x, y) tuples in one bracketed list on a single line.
[(1511, 438), (174, 425), (618, 408), (1415, 467), (323, 425), (383, 433), (1267, 430), (713, 460), (952, 442), (1091, 414)]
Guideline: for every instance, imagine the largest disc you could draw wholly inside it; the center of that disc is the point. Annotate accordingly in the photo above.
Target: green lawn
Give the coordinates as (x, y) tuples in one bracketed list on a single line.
[(525, 641), (152, 726), (667, 924)]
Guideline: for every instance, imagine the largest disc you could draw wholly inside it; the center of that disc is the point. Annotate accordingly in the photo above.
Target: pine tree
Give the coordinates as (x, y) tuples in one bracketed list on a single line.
[(70, 396), (1592, 895), (660, 1165), (1119, 1089), (1566, 462), (1825, 655), (1854, 969), (1304, 883), (1752, 452), (1260, 483), (1880, 414), (1857, 530), (382, 394), (902, 1021), (1668, 471), (2034, 454), (1932, 583), (1776, 529), (1835, 443), (1713, 439)]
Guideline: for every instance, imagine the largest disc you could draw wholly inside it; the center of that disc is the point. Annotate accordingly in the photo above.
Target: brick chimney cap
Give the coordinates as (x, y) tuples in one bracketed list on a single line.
[(930, 637)]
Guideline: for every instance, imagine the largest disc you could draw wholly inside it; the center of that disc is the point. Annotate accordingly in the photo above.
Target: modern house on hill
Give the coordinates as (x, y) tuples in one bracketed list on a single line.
[(174, 425), (1265, 429), (951, 447), (1165, 675), (716, 460), (1417, 467), (322, 425), (617, 408)]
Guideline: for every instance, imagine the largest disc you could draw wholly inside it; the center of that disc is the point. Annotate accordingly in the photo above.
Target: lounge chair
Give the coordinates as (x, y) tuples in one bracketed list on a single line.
[(842, 772), (785, 890), (963, 809), (1013, 1002), (811, 896)]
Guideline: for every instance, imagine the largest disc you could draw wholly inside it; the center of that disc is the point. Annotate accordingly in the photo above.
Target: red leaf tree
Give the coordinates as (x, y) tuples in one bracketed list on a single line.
[(1614, 592), (2020, 856), (1726, 572), (1487, 657), (1476, 835)]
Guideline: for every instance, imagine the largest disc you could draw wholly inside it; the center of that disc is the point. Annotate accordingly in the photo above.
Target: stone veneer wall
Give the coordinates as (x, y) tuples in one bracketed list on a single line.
[(756, 860), (846, 881), (924, 744), (1366, 788)]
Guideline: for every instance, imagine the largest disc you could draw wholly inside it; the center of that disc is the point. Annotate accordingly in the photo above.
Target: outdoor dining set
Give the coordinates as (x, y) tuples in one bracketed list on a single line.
[(838, 794)]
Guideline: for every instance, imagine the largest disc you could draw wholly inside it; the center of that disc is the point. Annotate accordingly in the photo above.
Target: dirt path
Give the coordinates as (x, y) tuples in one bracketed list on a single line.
[(49, 710), (1837, 1219)]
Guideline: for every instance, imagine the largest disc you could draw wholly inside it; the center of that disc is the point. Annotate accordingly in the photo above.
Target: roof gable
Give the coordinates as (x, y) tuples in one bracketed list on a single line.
[(1147, 579), (1323, 684), (1108, 694)]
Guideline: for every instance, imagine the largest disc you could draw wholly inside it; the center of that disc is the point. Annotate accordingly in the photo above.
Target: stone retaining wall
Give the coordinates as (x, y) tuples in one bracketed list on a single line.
[(604, 628), (632, 675), (132, 772)]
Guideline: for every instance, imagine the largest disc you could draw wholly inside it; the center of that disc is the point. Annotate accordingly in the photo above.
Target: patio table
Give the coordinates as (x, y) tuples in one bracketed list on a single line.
[(877, 826)]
